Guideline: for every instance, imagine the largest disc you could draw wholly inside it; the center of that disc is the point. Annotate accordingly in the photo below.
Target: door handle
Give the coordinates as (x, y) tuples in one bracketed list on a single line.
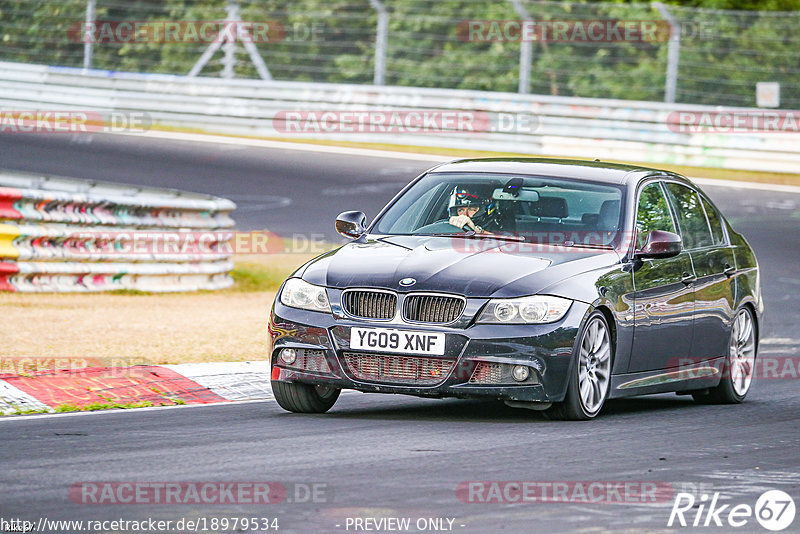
[(729, 270), (688, 278)]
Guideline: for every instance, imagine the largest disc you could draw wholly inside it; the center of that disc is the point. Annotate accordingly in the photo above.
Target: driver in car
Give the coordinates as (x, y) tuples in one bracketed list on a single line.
[(472, 212)]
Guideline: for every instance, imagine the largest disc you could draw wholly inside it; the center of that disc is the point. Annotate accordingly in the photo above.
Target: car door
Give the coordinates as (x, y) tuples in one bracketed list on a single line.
[(663, 296), (700, 226)]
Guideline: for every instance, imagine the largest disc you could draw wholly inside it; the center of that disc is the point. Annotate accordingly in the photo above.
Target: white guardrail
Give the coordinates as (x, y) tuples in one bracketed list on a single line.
[(69, 235), (557, 126)]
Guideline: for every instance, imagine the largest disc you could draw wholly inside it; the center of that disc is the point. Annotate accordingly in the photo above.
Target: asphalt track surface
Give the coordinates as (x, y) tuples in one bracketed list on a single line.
[(380, 455)]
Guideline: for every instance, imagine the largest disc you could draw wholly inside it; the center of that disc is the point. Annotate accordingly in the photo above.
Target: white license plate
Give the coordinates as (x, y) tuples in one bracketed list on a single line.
[(402, 341)]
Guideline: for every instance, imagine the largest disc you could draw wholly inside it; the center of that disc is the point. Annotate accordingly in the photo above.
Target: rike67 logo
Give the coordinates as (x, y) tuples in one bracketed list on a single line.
[(774, 510)]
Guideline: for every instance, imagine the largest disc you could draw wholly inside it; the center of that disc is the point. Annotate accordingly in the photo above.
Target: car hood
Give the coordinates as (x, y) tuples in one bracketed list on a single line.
[(471, 267)]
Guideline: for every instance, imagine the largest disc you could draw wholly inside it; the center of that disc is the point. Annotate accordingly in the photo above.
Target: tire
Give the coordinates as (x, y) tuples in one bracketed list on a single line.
[(304, 398), (593, 358), (737, 372)]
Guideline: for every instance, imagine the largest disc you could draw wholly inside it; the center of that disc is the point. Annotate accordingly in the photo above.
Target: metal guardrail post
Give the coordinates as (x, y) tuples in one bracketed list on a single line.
[(252, 51), (229, 48), (88, 35), (673, 52), (525, 51), (381, 42)]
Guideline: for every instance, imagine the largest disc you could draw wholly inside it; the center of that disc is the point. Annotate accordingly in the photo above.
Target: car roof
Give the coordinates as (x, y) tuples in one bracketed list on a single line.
[(596, 171)]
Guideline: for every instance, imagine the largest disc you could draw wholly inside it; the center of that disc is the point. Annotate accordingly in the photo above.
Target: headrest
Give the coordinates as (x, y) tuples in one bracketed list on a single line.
[(551, 207), (590, 219), (609, 215)]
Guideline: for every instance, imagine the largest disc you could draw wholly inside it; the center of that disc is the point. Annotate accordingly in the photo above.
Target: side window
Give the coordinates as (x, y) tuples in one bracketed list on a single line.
[(716, 223), (652, 213), (691, 217)]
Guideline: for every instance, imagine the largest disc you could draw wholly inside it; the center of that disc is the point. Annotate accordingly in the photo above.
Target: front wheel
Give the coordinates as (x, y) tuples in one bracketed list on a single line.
[(304, 398), (590, 378), (738, 369)]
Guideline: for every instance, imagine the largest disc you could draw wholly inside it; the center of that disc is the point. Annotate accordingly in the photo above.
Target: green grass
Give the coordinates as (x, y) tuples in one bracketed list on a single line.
[(265, 273), (251, 276), (248, 276), (92, 407), (95, 406), (20, 411)]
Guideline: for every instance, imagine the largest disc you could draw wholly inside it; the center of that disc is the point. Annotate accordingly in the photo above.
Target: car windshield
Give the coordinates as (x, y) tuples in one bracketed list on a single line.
[(537, 209)]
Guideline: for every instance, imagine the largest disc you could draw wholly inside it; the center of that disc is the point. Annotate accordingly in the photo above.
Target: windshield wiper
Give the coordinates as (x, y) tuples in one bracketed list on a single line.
[(471, 235), (578, 244)]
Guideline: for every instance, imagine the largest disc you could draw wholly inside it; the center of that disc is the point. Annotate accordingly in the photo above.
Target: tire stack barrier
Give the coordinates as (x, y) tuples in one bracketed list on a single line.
[(68, 235)]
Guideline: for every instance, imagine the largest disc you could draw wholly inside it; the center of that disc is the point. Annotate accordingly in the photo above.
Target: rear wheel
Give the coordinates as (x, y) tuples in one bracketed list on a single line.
[(304, 398), (590, 378), (737, 372)]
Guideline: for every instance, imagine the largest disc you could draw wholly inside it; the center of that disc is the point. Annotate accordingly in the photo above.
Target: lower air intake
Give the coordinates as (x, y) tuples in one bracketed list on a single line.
[(487, 373), (405, 370), (310, 360)]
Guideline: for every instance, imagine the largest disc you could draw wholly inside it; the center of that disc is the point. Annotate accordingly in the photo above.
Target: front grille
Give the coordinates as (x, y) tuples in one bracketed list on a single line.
[(486, 373), (433, 308), (370, 304), (406, 370)]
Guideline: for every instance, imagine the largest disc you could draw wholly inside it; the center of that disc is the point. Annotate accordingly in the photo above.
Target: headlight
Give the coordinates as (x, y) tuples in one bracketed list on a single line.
[(537, 309), (298, 293)]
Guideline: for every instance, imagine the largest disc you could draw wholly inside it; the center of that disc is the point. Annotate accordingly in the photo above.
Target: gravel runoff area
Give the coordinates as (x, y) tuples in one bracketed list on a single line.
[(228, 325)]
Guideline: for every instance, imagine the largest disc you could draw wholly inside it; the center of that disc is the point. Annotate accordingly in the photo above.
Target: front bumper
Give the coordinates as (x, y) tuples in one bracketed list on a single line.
[(545, 349)]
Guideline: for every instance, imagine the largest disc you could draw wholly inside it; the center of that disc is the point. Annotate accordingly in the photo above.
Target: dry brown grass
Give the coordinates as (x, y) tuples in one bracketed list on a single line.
[(229, 325), (159, 328)]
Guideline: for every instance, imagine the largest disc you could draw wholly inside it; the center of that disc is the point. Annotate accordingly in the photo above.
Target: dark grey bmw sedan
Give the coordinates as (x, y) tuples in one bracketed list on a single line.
[(551, 285)]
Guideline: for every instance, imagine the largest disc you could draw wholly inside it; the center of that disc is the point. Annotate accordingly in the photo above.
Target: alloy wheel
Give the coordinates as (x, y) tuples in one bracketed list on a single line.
[(742, 354), (594, 365)]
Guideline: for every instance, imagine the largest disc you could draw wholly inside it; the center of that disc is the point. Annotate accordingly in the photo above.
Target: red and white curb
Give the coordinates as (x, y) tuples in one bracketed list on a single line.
[(13, 399), (160, 385), (234, 381)]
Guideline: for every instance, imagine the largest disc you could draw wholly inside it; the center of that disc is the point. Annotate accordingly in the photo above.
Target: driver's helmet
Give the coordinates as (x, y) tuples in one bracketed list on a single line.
[(462, 197)]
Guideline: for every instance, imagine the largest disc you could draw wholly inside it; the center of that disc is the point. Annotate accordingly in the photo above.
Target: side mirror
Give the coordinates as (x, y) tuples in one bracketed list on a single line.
[(660, 244), (351, 224)]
